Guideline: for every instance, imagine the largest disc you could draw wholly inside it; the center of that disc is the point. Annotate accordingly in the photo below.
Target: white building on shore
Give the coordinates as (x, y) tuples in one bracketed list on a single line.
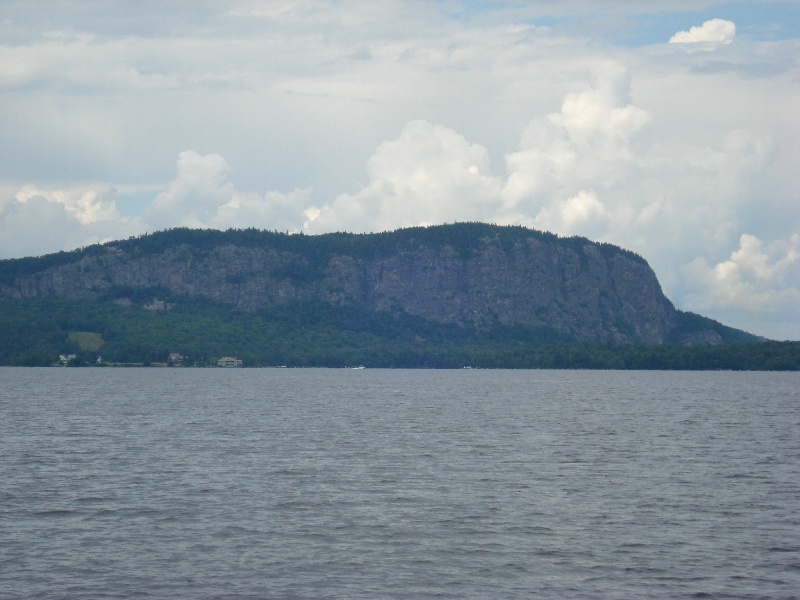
[(229, 362)]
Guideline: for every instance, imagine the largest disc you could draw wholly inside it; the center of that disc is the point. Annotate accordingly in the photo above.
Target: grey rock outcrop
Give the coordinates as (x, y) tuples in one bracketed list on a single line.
[(499, 276)]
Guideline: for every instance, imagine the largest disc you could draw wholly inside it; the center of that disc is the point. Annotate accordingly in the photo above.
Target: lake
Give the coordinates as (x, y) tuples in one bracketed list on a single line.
[(310, 483)]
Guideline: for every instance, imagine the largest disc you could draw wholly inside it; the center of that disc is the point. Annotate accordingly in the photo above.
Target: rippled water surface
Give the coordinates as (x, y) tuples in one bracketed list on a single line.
[(240, 483)]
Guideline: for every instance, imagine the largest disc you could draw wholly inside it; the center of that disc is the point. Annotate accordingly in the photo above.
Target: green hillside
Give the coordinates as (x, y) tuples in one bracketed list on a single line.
[(34, 332)]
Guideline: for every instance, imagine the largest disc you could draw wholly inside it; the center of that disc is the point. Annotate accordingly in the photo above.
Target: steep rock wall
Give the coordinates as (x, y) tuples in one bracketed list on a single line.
[(590, 291)]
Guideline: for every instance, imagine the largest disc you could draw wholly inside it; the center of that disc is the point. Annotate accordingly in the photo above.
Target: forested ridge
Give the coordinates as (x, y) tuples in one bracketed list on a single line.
[(317, 249), (144, 324)]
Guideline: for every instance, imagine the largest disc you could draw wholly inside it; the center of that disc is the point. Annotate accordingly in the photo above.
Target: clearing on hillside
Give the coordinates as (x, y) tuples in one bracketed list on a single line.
[(87, 340)]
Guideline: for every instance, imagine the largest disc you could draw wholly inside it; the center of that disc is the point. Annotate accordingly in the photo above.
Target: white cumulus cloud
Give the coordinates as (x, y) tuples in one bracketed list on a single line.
[(201, 195), (193, 198), (758, 279), (429, 174), (590, 144), (39, 221), (717, 31), (582, 214), (274, 210), (87, 206)]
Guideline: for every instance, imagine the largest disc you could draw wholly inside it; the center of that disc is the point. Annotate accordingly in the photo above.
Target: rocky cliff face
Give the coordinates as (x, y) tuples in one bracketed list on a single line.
[(499, 276)]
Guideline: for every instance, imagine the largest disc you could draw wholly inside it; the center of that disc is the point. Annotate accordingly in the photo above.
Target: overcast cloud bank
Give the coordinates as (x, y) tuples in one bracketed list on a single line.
[(318, 116)]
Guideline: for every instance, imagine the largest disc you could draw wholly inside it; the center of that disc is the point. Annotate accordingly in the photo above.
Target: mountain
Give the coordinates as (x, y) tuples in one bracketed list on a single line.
[(472, 276)]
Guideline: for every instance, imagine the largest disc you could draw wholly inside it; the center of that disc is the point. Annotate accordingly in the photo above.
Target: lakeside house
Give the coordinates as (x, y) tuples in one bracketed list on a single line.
[(229, 362)]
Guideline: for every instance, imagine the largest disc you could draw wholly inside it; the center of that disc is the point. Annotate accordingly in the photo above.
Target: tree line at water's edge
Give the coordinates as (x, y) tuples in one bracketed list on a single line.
[(36, 332)]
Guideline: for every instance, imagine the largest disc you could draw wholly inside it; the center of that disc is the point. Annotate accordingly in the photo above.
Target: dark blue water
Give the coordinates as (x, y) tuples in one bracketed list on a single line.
[(284, 483)]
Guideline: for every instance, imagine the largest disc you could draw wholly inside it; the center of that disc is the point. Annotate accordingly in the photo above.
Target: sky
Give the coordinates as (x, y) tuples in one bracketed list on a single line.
[(673, 132)]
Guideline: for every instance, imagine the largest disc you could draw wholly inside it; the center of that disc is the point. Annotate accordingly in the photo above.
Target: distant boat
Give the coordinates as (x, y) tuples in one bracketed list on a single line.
[(358, 367)]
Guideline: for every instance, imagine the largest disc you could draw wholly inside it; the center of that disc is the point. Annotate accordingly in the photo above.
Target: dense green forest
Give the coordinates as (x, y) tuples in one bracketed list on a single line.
[(35, 332)]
